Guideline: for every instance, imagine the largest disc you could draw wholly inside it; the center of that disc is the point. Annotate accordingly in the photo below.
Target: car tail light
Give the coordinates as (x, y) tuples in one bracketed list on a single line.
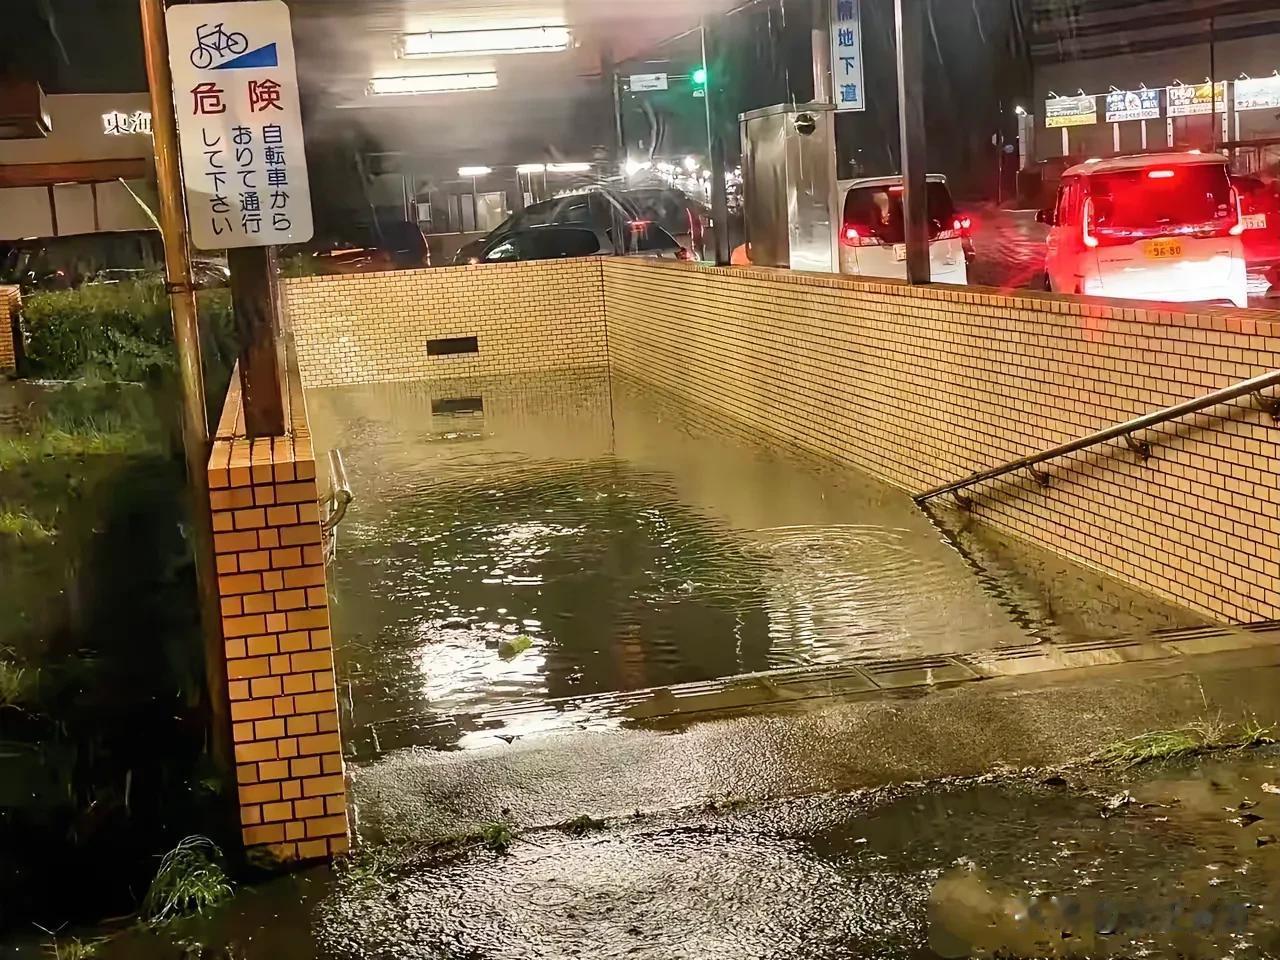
[(854, 237), (1160, 174), (1087, 234), (1238, 227), (684, 254)]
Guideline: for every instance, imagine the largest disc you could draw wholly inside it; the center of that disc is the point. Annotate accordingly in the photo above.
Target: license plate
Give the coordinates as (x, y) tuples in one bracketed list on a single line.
[(1163, 249), (1255, 221), (900, 251)]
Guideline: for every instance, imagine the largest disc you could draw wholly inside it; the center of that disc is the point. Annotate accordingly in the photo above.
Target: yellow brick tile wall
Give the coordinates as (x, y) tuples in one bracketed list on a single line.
[(275, 625), (371, 328), (920, 386), (9, 303)]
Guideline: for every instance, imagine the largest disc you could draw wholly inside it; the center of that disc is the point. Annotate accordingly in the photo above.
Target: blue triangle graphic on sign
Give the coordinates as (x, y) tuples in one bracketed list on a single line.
[(262, 57)]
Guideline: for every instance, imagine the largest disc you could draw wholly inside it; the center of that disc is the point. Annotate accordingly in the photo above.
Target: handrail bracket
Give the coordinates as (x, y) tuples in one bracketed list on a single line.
[(1141, 447), (1269, 405), (1039, 476)]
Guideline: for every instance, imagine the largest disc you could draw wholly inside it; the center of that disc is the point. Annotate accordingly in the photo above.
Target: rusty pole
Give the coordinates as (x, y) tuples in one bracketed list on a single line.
[(186, 338)]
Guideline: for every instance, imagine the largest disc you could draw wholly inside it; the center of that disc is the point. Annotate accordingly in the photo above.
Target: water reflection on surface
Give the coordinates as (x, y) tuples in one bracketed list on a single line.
[(637, 543)]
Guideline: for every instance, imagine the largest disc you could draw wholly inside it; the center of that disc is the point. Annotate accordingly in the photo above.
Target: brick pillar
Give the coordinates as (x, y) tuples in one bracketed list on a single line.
[(10, 348), (275, 622)]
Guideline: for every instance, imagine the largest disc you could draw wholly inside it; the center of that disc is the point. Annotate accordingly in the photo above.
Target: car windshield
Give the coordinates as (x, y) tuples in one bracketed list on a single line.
[(1159, 198), (667, 208), (879, 208)]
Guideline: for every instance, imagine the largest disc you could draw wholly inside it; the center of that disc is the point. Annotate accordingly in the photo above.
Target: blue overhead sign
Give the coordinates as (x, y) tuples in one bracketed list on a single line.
[(846, 55)]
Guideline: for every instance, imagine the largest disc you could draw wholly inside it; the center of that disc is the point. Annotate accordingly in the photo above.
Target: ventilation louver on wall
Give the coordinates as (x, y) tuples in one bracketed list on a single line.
[(452, 346)]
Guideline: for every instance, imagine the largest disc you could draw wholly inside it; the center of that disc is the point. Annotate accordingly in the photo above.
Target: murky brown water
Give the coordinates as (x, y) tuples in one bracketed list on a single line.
[(637, 543)]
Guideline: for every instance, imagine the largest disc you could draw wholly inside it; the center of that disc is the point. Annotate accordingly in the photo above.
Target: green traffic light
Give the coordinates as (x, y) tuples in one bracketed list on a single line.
[(700, 77)]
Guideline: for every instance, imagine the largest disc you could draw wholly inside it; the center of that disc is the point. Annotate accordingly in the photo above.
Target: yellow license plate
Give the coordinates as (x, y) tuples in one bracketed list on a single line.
[(1163, 249)]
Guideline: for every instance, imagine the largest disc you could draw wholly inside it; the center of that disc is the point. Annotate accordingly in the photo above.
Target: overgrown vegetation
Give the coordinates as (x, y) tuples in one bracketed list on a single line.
[(15, 684), (1204, 736), (23, 526), (64, 437), (496, 837), (190, 880), (118, 331)]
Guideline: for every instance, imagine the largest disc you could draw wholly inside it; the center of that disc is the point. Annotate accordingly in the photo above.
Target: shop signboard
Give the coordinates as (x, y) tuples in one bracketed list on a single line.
[(1070, 111), (846, 55), (1195, 99), (235, 85), (1260, 94), (1132, 105)]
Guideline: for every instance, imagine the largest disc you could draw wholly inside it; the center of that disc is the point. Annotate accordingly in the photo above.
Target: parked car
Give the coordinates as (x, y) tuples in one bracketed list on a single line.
[(63, 263), (553, 242), (396, 245), (600, 209), (1260, 206), (1151, 227), (873, 235)]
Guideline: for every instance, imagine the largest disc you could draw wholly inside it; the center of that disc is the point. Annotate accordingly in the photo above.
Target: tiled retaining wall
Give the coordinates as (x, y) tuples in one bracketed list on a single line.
[(9, 303), (372, 328), (920, 386), (275, 625)]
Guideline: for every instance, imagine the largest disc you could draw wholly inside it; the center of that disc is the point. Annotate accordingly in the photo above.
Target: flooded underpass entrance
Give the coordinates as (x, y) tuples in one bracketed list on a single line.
[(527, 553)]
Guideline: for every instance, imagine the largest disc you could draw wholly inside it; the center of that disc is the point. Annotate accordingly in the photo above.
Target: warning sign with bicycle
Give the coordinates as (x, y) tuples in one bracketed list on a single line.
[(235, 86)]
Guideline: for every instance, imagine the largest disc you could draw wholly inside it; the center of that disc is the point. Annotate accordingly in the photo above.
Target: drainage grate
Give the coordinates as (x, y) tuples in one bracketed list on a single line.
[(453, 406), (452, 346)]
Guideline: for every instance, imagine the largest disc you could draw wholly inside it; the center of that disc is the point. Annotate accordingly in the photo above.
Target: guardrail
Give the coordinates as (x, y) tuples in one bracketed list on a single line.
[(1126, 430)]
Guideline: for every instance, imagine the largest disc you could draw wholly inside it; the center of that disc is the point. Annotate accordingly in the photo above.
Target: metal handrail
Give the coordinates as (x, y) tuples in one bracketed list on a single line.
[(340, 495), (1245, 387)]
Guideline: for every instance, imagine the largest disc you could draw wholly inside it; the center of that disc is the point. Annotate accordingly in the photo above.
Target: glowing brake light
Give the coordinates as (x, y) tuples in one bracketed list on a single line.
[(1160, 174), (962, 224), (851, 233), (1090, 240)]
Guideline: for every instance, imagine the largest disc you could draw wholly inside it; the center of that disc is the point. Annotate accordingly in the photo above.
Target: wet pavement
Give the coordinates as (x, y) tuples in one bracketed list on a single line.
[(629, 543), (1165, 860)]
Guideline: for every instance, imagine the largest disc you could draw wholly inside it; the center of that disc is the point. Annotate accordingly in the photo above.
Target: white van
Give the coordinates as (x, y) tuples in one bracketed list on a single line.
[(872, 235), (1164, 226)]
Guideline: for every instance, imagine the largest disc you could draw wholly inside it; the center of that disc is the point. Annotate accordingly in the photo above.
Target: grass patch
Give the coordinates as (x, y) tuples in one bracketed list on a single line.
[(15, 684), (190, 880), (22, 526), (63, 438), (1203, 736), (73, 948), (496, 837)]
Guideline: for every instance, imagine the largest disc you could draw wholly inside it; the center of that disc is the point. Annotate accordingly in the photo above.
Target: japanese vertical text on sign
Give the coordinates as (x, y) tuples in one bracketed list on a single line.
[(846, 55), (235, 85)]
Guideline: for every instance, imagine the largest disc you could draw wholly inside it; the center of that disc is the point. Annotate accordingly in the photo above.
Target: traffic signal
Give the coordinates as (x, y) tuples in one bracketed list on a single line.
[(700, 77)]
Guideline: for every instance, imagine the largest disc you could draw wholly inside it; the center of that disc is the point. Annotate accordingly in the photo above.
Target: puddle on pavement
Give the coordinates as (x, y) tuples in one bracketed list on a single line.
[(637, 544), (1155, 862)]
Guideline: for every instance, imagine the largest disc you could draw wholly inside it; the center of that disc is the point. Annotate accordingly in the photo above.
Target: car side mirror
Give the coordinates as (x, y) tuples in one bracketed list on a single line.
[(1046, 216)]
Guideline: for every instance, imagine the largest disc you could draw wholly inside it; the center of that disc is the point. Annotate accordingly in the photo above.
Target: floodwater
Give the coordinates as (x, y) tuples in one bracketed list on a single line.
[(628, 542), (1165, 861)]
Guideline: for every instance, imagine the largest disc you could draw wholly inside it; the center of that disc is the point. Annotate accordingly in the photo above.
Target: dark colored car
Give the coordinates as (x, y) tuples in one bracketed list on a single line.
[(610, 212), (398, 245), (554, 242), (64, 263)]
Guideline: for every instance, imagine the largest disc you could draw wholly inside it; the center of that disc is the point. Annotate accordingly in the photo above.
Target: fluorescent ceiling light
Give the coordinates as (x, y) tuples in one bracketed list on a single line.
[(474, 171), (532, 168), (568, 167), (432, 83), (443, 43)]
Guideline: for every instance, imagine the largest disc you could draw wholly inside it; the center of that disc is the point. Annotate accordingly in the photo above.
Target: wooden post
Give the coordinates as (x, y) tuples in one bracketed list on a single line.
[(255, 298)]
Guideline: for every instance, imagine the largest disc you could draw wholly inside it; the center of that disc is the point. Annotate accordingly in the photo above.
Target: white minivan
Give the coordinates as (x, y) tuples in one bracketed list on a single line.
[(1162, 226), (872, 235)]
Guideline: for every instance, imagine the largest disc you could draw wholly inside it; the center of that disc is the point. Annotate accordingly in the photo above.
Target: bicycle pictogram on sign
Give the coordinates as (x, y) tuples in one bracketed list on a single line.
[(213, 41)]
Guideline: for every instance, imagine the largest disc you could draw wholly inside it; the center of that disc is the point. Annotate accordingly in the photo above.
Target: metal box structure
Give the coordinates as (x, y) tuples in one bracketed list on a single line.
[(789, 186)]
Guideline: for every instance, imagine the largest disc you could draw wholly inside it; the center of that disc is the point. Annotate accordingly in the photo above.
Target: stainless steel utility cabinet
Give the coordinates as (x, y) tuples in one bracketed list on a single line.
[(789, 186)]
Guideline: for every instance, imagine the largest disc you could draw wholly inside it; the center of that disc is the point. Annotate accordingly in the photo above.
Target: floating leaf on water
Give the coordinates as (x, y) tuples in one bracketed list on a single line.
[(1247, 819), (510, 649), (1270, 788)]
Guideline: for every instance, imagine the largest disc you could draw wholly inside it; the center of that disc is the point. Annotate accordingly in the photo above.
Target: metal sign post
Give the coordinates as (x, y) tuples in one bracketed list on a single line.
[(240, 125), (909, 19)]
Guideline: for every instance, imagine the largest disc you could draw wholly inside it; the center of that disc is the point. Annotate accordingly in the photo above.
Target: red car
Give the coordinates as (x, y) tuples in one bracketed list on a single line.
[(1260, 204)]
